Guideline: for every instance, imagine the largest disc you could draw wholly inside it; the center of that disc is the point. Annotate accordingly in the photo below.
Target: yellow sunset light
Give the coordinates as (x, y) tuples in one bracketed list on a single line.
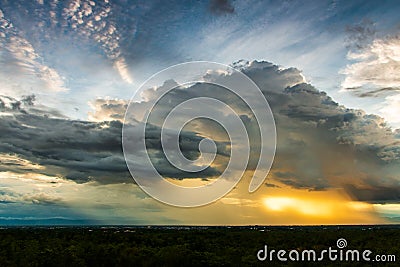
[(298, 205)]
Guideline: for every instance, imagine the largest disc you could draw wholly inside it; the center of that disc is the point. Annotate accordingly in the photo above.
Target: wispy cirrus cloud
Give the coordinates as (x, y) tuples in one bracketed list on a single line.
[(92, 21), (25, 58)]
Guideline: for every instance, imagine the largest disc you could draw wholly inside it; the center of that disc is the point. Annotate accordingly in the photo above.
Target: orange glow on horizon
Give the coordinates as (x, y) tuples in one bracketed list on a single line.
[(288, 205)]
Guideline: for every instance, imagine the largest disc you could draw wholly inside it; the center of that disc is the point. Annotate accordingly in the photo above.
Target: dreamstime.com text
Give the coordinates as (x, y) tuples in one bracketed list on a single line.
[(338, 253)]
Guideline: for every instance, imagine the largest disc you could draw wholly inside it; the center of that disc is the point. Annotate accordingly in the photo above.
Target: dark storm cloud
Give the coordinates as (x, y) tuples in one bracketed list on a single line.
[(220, 7), (189, 143), (74, 149), (79, 150)]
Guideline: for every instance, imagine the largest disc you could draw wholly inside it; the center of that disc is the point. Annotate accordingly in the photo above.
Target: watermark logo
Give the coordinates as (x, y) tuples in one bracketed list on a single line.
[(240, 109), (330, 254), (341, 243)]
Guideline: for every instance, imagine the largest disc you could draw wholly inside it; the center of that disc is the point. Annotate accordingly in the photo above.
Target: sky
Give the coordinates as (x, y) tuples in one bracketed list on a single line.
[(328, 69)]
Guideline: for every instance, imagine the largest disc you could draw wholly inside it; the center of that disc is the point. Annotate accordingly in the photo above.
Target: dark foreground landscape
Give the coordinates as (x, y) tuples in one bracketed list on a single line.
[(188, 246)]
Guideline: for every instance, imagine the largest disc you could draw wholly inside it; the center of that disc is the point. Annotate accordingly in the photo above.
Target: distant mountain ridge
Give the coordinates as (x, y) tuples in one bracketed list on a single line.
[(46, 221)]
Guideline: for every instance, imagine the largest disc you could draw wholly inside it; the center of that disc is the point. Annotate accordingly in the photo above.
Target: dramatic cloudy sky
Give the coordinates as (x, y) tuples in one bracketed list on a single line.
[(329, 70)]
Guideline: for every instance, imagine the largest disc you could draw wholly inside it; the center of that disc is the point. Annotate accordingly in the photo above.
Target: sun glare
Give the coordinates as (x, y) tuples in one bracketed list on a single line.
[(302, 206), (279, 203)]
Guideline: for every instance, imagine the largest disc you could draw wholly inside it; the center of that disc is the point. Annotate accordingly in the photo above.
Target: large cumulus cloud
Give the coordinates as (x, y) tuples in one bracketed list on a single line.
[(321, 144)]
